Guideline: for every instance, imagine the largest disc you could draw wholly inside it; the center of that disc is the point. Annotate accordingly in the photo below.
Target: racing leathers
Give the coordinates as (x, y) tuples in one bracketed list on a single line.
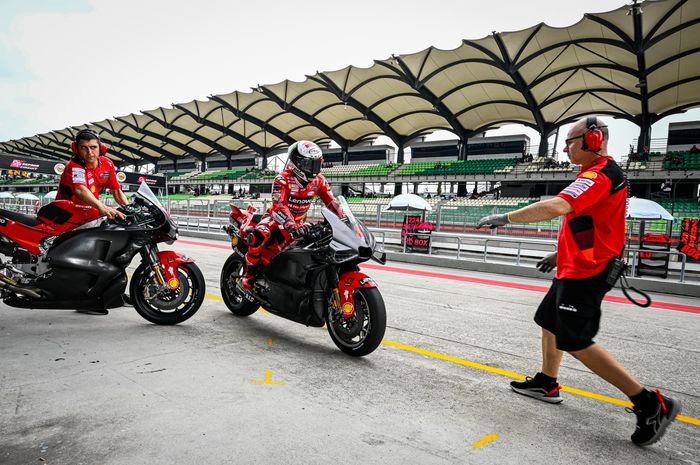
[(291, 201)]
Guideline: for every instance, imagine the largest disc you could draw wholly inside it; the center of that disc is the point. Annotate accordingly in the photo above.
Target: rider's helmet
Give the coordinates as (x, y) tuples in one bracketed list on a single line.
[(305, 159)]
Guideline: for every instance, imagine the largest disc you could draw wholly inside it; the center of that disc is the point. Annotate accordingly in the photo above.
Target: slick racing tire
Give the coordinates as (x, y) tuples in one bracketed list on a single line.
[(170, 307), (231, 273), (360, 335)]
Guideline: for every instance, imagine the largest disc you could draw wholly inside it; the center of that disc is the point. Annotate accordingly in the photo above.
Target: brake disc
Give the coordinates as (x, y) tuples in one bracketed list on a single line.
[(168, 299)]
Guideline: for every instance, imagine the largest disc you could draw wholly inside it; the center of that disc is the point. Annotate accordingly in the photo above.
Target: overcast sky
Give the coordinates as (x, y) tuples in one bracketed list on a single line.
[(69, 62)]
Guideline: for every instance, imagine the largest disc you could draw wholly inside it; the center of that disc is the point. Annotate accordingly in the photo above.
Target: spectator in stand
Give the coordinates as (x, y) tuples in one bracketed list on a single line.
[(694, 149)]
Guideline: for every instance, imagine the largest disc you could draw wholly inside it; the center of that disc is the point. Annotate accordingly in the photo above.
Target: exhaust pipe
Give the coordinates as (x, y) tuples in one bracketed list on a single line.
[(10, 285)]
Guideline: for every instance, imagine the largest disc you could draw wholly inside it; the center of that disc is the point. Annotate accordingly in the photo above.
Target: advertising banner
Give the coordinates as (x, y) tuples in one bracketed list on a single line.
[(152, 180), (20, 165)]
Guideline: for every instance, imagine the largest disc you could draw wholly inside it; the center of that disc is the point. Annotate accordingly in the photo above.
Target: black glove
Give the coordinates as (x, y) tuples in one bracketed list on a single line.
[(548, 263), (493, 221), (300, 230)]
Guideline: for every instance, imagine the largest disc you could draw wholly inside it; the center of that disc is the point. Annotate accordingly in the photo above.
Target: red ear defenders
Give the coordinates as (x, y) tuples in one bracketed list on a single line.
[(593, 137), (88, 134)]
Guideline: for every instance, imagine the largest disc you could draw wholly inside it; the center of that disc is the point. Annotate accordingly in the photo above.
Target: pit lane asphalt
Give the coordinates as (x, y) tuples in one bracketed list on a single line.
[(218, 389)]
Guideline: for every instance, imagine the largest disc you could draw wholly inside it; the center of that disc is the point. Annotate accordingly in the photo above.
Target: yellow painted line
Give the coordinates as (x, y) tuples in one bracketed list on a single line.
[(512, 374), (267, 380), (485, 440), (449, 358)]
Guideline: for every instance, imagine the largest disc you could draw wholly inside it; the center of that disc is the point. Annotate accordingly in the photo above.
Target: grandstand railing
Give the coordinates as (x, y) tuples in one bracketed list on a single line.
[(462, 245)]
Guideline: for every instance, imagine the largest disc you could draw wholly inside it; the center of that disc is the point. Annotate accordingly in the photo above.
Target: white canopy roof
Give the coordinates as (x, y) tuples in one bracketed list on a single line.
[(638, 62)]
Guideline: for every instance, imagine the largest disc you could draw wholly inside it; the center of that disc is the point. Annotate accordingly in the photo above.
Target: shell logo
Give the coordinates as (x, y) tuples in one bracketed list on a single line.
[(58, 168), (348, 308), (590, 175), (173, 283), (121, 177)]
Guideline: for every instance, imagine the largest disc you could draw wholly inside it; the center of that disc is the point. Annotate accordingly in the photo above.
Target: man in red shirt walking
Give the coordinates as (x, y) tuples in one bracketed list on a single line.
[(592, 235), (88, 173)]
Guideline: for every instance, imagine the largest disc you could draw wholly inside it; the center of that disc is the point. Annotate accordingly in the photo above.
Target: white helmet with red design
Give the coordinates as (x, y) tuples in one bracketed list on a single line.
[(305, 159)]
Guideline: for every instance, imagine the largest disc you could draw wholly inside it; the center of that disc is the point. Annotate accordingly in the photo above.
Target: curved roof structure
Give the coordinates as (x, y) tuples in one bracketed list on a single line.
[(640, 62)]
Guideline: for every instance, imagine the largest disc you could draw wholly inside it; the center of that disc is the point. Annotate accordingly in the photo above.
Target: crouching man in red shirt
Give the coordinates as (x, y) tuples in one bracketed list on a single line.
[(591, 236), (88, 173)]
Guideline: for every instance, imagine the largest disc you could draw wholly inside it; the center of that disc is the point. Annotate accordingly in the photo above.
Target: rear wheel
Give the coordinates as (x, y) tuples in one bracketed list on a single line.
[(231, 274), (167, 307), (361, 334)]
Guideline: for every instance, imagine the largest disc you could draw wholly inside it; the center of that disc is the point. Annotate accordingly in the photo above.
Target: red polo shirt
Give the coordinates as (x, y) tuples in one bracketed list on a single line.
[(595, 231), (103, 176)]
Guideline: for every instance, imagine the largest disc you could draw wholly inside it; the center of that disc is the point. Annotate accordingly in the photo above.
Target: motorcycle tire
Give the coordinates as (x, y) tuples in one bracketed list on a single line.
[(232, 295), (369, 305), (170, 309)]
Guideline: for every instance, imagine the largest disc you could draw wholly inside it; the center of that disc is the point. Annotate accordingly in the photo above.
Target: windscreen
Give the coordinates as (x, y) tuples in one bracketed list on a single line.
[(146, 192)]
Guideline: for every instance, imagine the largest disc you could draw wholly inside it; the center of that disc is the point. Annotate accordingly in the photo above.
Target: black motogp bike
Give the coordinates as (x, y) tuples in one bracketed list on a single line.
[(52, 264), (314, 280)]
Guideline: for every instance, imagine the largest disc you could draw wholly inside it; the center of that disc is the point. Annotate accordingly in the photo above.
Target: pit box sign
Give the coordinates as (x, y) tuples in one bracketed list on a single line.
[(409, 225), (689, 238), (416, 233)]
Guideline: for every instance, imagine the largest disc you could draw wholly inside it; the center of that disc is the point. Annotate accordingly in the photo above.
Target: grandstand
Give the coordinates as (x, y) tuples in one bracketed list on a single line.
[(682, 160), (457, 168), (360, 170), (221, 175)]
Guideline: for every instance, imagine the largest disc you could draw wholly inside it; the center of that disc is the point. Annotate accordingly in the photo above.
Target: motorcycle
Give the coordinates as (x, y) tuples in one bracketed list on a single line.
[(67, 257), (313, 280)]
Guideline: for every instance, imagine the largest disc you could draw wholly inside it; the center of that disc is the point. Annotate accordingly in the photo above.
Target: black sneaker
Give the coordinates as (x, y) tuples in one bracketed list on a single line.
[(538, 389), (653, 421)]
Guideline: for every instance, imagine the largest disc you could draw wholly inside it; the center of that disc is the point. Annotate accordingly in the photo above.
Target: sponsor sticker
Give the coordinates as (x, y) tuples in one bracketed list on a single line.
[(364, 281), (578, 187), (78, 175), (121, 177), (590, 175), (309, 149)]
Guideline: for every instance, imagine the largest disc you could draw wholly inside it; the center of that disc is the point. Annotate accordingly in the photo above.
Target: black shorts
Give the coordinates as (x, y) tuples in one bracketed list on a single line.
[(571, 310)]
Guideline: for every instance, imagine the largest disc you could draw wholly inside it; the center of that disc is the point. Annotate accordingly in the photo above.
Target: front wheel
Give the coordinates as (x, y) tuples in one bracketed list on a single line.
[(231, 273), (361, 334), (167, 307)]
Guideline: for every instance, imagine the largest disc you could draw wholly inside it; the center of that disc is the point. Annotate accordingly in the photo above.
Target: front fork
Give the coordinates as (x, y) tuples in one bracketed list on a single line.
[(149, 255)]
